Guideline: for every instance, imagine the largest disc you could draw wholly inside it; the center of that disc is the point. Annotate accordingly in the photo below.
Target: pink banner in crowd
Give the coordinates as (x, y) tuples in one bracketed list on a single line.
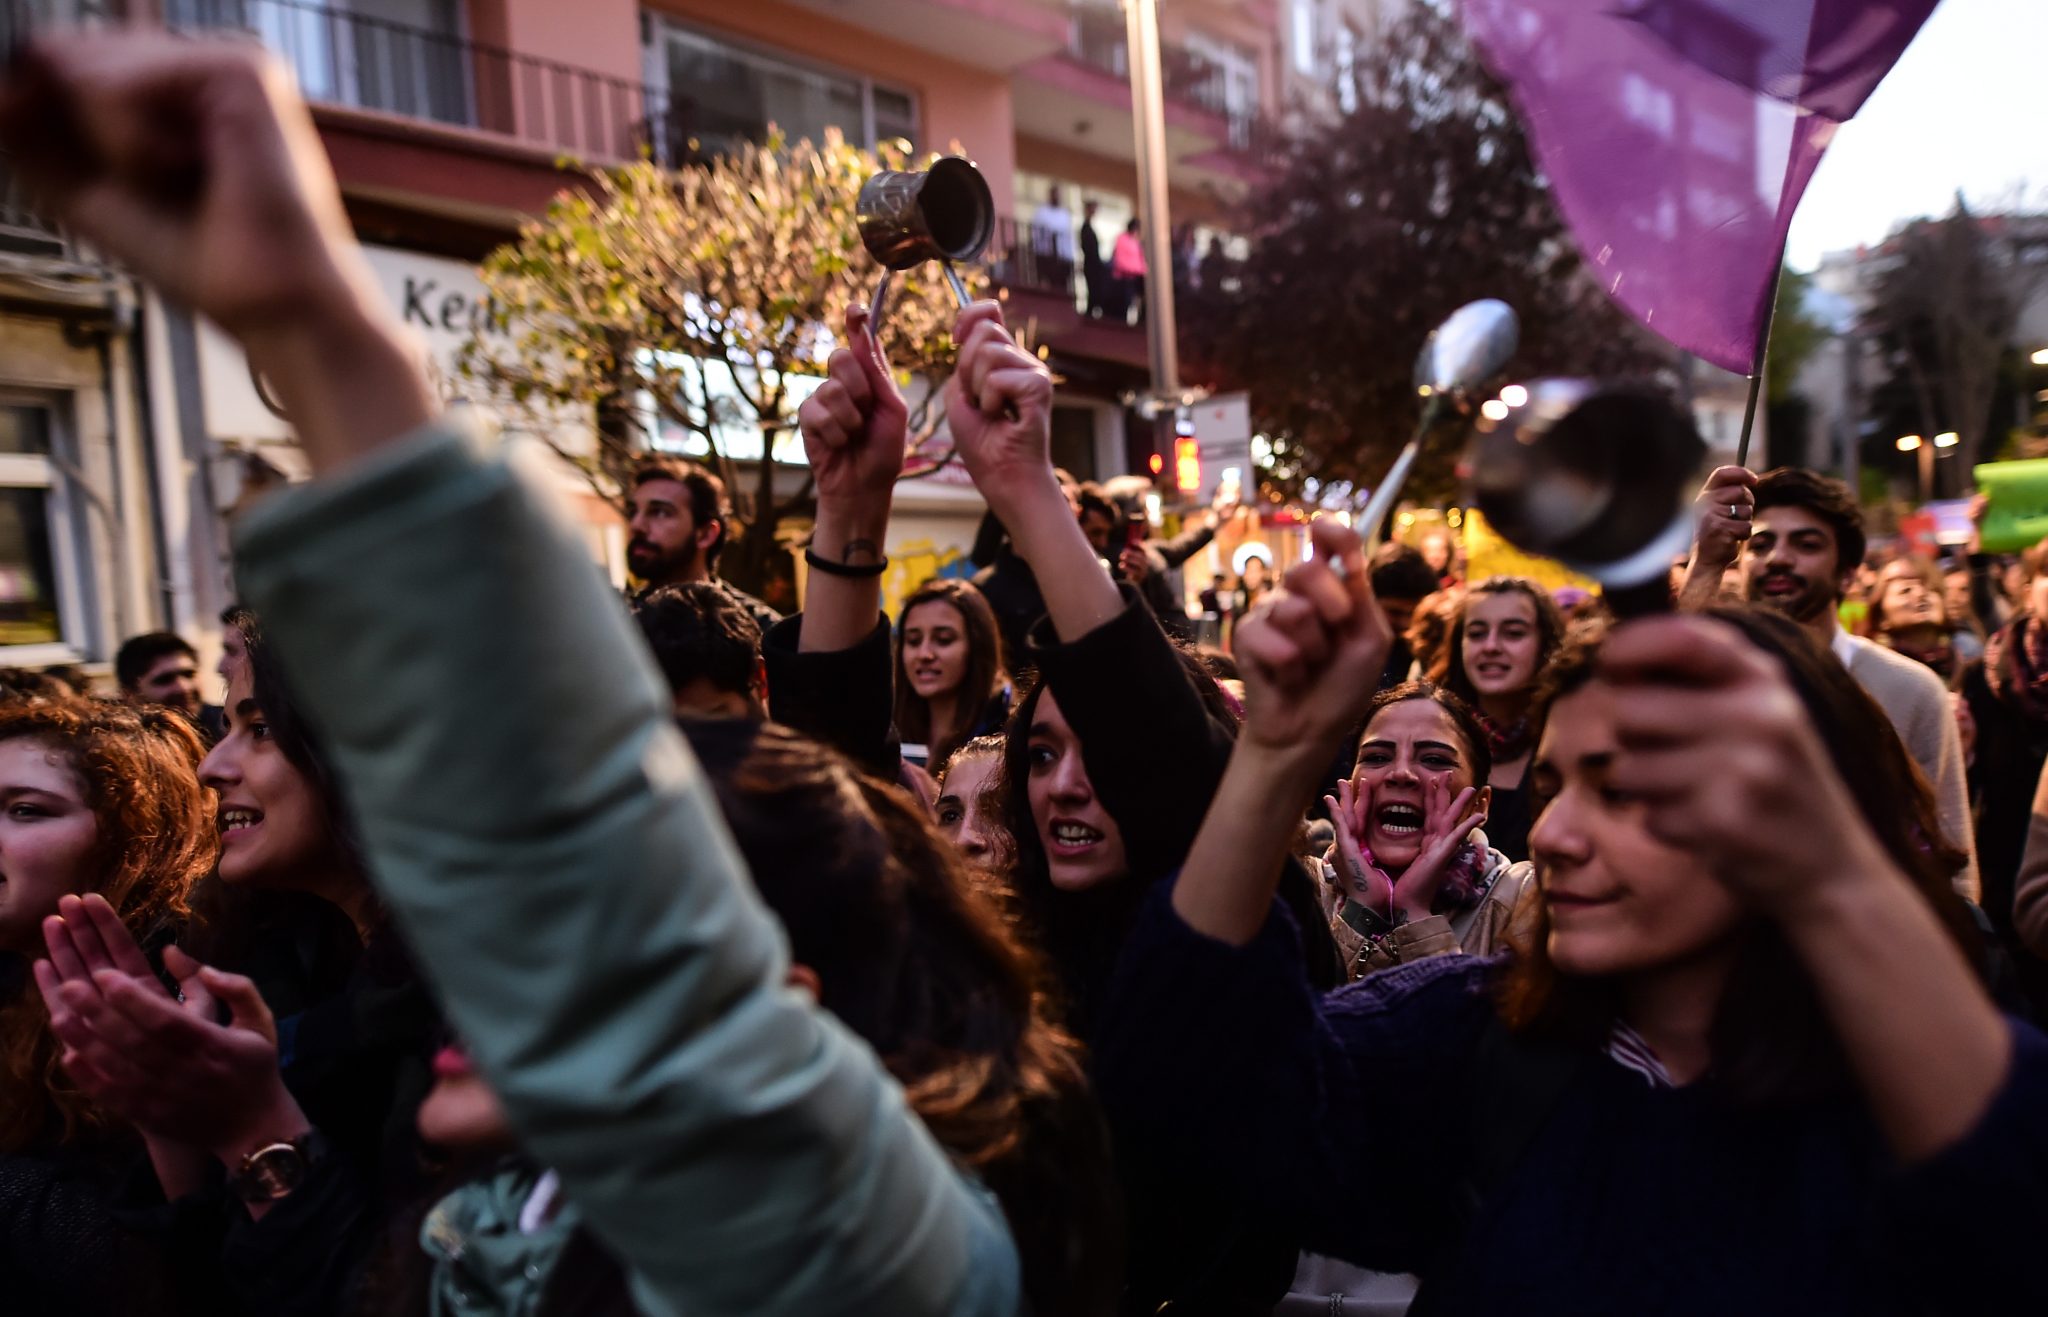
[(1679, 135)]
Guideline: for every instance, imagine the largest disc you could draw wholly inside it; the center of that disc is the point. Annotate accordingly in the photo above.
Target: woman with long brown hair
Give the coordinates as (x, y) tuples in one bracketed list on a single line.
[(299, 1092), (1742, 1062), (1504, 631), (94, 798), (890, 932), (898, 940), (951, 683)]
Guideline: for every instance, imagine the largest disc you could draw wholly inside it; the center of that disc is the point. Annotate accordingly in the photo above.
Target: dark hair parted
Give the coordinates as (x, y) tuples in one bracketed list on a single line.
[(980, 682), (1429, 633), (700, 632), (1826, 498), (917, 961), (1090, 500), (1450, 671), (708, 502), (138, 654), (296, 740), (1083, 931), (155, 840), (1771, 1041), (32, 685), (1472, 738), (1401, 572)]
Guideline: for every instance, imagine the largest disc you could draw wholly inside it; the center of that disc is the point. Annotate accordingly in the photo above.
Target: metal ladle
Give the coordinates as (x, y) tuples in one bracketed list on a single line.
[(1596, 475), (1472, 345)]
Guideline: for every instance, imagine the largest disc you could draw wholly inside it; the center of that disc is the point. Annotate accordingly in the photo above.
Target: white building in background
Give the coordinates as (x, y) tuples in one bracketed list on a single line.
[(1842, 375)]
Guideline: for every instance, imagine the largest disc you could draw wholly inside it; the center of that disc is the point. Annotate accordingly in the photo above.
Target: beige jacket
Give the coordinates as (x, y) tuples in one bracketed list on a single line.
[(1477, 930)]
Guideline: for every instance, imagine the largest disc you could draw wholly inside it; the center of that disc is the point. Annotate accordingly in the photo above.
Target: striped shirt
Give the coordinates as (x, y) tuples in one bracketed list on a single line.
[(1626, 1048)]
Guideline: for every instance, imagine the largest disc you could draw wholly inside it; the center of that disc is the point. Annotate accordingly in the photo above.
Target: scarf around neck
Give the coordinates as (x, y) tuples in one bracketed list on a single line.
[(1509, 742), (1940, 656)]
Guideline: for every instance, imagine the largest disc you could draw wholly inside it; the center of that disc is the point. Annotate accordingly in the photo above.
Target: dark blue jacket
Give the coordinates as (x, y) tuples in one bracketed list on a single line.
[(1352, 1116)]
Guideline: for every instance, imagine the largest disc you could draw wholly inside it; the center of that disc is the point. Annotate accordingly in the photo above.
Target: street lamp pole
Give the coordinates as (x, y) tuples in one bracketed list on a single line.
[(1148, 113), (1944, 445), (1913, 443)]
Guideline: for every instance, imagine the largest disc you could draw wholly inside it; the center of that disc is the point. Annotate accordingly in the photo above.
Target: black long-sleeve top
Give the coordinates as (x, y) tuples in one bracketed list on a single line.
[(844, 698), (1155, 754)]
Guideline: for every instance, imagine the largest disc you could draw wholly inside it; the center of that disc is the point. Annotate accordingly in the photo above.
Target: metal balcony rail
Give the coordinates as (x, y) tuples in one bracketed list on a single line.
[(21, 229), (1028, 257), (370, 63), (1100, 41)]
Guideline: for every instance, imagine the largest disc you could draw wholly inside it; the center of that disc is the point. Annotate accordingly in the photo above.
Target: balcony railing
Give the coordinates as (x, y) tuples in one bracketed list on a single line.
[(1101, 41), (21, 229), (369, 63), (1029, 257)]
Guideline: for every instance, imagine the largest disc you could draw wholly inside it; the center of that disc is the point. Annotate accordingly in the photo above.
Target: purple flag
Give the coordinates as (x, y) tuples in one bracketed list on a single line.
[(1679, 135)]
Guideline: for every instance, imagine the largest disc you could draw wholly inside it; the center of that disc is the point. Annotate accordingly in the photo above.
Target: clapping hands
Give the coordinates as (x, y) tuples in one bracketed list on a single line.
[(167, 1065)]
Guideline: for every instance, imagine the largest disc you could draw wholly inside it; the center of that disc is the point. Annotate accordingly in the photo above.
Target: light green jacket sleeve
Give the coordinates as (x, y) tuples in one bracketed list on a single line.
[(547, 843)]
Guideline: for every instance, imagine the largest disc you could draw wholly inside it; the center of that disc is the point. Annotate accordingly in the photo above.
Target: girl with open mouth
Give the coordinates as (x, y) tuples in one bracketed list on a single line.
[(1416, 876)]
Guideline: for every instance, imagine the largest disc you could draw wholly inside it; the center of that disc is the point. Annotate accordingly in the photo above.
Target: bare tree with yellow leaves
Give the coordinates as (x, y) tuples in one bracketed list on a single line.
[(700, 304)]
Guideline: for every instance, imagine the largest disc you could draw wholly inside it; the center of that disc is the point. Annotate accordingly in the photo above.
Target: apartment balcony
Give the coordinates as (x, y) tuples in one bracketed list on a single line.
[(999, 35), (21, 229), (1041, 285), (1216, 133), (376, 65), (414, 117), (47, 271)]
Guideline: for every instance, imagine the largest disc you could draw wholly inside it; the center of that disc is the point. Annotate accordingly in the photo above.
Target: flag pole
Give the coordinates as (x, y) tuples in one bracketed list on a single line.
[(1756, 370)]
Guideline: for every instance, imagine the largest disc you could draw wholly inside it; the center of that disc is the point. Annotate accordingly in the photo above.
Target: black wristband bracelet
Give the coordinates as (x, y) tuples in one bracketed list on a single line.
[(831, 568)]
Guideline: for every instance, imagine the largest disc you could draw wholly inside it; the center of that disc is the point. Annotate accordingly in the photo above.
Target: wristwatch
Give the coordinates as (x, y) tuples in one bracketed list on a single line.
[(274, 1170)]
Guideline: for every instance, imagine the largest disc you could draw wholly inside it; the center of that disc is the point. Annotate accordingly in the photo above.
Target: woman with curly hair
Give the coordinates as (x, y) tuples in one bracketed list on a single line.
[(103, 799)]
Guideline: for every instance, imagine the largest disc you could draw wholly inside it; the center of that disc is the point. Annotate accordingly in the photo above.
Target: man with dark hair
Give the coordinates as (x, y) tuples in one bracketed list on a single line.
[(1798, 536), (708, 646), (678, 515), (1099, 519), (160, 667), (1401, 579)]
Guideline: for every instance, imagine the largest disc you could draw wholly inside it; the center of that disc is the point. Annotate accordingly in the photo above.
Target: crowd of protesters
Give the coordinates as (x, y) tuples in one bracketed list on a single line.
[(499, 945)]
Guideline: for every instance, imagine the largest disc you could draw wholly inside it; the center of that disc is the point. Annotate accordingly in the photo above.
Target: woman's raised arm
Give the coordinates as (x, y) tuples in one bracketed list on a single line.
[(537, 825)]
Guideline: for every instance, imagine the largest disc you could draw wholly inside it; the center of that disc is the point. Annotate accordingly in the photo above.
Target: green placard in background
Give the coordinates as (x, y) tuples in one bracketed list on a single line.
[(2017, 515)]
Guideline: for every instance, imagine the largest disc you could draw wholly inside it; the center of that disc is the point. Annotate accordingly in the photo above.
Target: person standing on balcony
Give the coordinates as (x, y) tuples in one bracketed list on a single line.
[(1052, 242), (1215, 266), (1093, 273), (1127, 274)]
